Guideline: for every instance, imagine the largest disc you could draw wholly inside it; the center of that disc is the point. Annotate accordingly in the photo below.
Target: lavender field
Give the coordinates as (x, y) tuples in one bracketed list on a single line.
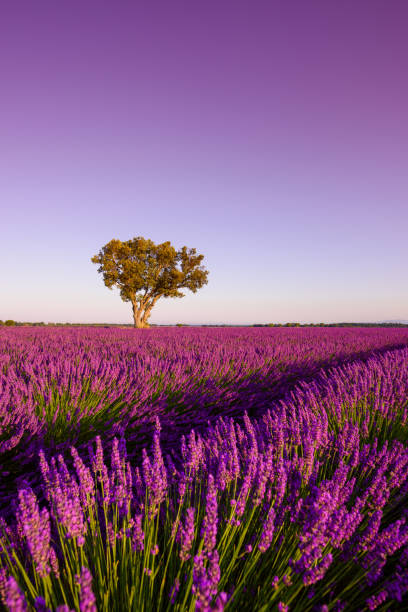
[(204, 469)]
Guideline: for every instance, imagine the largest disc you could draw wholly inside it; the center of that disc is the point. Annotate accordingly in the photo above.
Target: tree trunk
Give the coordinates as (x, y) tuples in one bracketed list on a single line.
[(139, 317)]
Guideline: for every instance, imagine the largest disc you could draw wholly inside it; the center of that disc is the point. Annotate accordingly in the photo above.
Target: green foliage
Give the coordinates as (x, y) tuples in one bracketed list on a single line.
[(144, 272), (9, 322)]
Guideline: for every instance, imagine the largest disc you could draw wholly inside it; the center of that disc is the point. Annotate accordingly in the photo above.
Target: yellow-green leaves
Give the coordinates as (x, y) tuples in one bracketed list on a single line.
[(144, 272)]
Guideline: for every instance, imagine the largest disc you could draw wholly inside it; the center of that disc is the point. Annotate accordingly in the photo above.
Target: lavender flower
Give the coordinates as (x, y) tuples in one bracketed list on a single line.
[(40, 605), (3, 583), (68, 510), (174, 591), (86, 597), (186, 535), (86, 482), (209, 528), (267, 533), (205, 584), (121, 480), (137, 534), (15, 599), (35, 526), (220, 602), (314, 574), (100, 470)]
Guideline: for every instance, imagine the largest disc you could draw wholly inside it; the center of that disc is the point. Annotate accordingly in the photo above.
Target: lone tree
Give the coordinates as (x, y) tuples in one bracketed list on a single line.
[(144, 272)]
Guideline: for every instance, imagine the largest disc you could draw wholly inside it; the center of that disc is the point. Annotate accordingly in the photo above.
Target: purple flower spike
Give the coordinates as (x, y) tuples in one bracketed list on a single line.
[(220, 602), (137, 534), (35, 526), (267, 533), (40, 605), (155, 476), (86, 482), (15, 600), (3, 583), (121, 479), (69, 512), (186, 535), (205, 582), (316, 573), (376, 600), (174, 591), (86, 597), (210, 523), (100, 469)]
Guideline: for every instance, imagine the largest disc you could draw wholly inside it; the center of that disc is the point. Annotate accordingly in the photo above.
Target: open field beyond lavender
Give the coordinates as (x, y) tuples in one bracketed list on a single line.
[(204, 469)]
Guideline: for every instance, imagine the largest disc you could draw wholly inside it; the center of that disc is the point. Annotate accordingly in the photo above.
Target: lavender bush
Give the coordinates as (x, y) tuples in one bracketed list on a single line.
[(265, 500)]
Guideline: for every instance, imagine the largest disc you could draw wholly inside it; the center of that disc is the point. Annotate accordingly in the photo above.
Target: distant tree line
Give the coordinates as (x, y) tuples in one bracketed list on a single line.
[(330, 324), (11, 322)]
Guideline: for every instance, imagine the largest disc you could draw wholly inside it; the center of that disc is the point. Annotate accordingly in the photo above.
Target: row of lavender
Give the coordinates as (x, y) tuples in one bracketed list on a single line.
[(303, 508), (63, 386), (67, 384)]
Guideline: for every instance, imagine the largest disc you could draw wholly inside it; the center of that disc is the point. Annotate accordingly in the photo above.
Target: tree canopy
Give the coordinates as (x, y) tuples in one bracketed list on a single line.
[(144, 272)]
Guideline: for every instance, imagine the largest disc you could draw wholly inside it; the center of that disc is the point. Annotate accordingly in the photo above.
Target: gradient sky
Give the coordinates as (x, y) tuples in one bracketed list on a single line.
[(272, 136)]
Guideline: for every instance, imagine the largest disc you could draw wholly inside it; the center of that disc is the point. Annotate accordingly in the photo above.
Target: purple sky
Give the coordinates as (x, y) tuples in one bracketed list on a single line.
[(272, 136)]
